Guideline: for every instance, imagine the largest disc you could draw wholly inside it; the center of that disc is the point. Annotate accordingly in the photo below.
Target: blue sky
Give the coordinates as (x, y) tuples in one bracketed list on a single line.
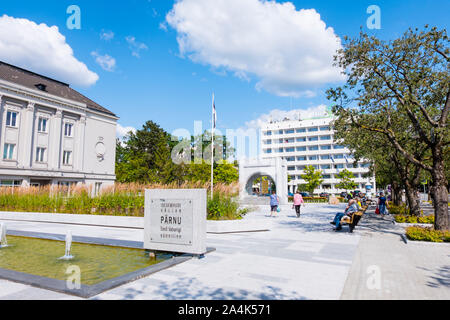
[(174, 90)]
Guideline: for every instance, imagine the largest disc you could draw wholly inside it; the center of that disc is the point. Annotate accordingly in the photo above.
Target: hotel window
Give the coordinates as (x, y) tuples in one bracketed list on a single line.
[(68, 129), (280, 150), (290, 159), (301, 148), (301, 168), (326, 176), (313, 158), (313, 139), (67, 158), (314, 148), (291, 168), (325, 166), (42, 125), (291, 140), (40, 154), (301, 158), (289, 131), (338, 156), (268, 133), (338, 147), (280, 131), (290, 149), (325, 138), (269, 151), (301, 130), (98, 187), (313, 129), (325, 147), (301, 139), (325, 157), (8, 151), (339, 166), (11, 119), (10, 183), (324, 128), (267, 141)]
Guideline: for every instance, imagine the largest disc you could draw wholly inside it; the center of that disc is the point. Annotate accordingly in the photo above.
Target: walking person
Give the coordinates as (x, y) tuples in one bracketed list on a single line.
[(298, 201), (382, 204), (274, 202)]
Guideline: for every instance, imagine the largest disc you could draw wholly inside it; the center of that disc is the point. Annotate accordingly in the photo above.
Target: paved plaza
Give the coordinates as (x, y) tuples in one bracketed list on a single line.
[(296, 259)]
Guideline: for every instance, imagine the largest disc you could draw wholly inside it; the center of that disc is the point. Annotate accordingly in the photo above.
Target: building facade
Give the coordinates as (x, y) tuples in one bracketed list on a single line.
[(311, 142), (51, 134)]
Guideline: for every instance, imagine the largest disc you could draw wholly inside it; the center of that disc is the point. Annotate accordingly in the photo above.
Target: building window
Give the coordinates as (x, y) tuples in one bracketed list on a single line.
[(325, 147), (290, 149), (290, 131), (336, 146), (68, 129), (98, 187), (325, 138), (313, 158), (291, 140), (40, 154), (313, 129), (301, 148), (42, 125), (267, 141), (8, 151), (339, 166), (313, 139), (11, 119), (314, 148), (301, 158), (301, 139), (326, 176), (10, 183), (280, 131), (290, 159), (291, 168), (324, 128), (67, 158), (269, 151), (338, 156), (301, 130), (325, 166), (268, 133), (280, 150), (325, 157)]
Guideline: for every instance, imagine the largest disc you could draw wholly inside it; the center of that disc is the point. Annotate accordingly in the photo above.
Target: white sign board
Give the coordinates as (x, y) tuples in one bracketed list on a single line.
[(175, 220)]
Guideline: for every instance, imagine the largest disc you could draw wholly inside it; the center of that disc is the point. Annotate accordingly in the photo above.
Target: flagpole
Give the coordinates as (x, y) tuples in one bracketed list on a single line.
[(212, 147)]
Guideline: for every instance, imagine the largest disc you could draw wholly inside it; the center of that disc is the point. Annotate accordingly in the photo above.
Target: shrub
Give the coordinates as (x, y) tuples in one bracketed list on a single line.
[(401, 209), (222, 207), (427, 234), (413, 219)]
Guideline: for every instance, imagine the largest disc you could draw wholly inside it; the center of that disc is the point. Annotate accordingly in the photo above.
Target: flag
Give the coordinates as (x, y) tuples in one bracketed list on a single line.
[(332, 159), (214, 113), (346, 159)]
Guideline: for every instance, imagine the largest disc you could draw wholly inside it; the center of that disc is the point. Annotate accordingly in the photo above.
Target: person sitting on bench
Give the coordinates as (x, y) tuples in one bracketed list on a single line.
[(351, 208)]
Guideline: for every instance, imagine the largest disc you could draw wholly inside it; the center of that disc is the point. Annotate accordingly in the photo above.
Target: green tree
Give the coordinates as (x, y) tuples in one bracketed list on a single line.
[(313, 178), (346, 180), (408, 78)]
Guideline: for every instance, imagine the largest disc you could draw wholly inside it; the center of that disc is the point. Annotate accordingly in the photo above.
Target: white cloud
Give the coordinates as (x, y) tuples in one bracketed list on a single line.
[(135, 46), (107, 62), (288, 50), (107, 35), (121, 131), (42, 49)]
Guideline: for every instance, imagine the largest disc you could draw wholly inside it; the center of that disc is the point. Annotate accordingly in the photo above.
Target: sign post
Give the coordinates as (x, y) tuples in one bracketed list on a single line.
[(175, 220)]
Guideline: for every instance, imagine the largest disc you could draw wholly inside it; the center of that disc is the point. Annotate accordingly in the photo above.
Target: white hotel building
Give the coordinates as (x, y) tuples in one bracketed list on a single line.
[(51, 134), (311, 142)]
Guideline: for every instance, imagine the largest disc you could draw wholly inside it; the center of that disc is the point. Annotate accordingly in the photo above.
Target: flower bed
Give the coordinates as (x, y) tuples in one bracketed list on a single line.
[(427, 234)]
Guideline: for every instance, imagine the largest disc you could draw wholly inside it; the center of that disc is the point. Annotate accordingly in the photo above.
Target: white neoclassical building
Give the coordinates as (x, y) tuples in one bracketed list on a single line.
[(52, 134)]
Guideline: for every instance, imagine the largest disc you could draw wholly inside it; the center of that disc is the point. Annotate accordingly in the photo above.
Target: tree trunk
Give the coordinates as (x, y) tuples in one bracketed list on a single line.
[(439, 193), (411, 196), (396, 196)]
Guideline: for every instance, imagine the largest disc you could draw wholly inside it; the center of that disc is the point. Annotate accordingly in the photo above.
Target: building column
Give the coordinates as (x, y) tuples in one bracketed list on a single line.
[(54, 148), (78, 159), (26, 136)]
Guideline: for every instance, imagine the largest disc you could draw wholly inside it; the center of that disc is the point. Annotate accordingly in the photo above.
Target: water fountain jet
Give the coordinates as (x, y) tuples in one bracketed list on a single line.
[(67, 255), (3, 241)]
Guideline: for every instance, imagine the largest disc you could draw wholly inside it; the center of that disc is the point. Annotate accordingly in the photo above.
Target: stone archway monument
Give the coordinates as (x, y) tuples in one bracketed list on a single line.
[(274, 168)]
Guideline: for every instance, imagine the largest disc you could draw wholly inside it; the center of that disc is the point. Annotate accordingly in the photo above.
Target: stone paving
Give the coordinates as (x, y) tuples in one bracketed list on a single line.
[(407, 271), (297, 259)]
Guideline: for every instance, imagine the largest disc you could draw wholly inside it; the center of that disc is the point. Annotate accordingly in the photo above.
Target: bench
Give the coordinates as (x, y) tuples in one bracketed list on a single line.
[(352, 221)]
